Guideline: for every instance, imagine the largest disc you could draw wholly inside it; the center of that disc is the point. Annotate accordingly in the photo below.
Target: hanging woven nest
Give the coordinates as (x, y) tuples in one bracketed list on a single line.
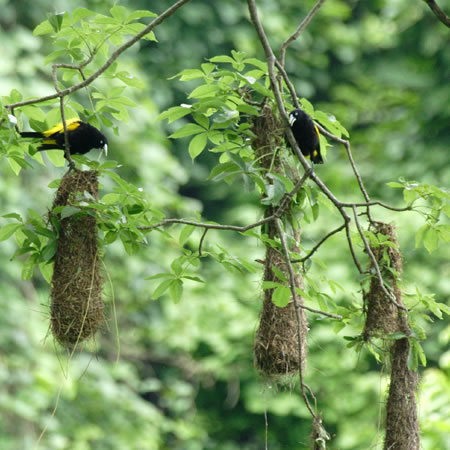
[(277, 351), (382, 314), (77, 309), (276, 347)]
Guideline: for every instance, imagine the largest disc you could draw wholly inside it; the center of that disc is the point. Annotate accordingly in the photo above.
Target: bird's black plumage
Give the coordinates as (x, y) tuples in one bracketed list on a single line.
[(306, 134), (82, 137)]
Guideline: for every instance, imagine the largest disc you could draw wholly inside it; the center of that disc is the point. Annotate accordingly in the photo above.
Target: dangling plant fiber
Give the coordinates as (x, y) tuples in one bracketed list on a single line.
[(77, 308)]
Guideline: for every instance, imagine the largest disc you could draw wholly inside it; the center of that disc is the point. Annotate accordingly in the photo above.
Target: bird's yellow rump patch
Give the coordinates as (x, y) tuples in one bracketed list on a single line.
[(71, 124), (317, 130)]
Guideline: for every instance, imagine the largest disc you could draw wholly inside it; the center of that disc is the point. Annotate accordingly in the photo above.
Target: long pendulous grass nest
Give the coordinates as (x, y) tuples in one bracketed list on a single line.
[(382, 313), (276, 347), (77, 308), (280, 342)]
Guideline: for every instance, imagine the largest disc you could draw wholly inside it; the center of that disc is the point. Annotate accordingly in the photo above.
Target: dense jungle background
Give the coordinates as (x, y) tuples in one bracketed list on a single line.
[(185, 378)]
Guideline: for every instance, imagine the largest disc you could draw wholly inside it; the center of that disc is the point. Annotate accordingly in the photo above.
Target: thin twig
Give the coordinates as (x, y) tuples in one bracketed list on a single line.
[(323, 313), (297, 32), (358, 177), (373, 203), (209, 226), (200, 245), (316, 247), (289, 84), (352, 249), (66, 136)]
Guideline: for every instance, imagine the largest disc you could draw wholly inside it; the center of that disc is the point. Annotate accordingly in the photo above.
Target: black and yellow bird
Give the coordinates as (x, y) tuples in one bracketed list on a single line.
[(82, 137), (306, 134)]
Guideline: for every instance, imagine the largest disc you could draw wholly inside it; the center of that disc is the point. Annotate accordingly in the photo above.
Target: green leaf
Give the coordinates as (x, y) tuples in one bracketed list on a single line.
[(33, 112), (189, 74), (8, 230), (176, 290), (13, 216), (56, 20), (129, 80), (49, 251), (270, 285), (27, 268), (396, 336), (119, 12), (274, 192), (55, 55), (81, 13), (409, 196), (162, 287), (420, 233), (222, 170), (139, 14), (197, 145), (208, 68), (394, 184), (110, 237), (419, 351), (160, 275), (187, 130), (185, 233), (56, 157), (43, 28), (69, 211), (15, 96), (307, 106), (174, 113), (150, 37), (202, 120), (197, 279), (280, 275), (281, 296), (46, 271), (177, 265), (205, 90), (111, 198), (16, 168), (222, 59), (257, 63), (446, 210), (430, 240)]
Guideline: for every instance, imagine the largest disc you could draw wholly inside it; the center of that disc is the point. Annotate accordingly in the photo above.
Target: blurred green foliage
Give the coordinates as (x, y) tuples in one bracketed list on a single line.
[(185, 377)]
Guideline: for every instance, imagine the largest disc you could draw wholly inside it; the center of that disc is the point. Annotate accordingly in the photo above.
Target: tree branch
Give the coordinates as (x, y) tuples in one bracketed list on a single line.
[(438, 12), (297, 32)]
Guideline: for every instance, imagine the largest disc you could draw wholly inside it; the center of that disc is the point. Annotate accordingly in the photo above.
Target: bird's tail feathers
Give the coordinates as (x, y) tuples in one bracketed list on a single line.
[(49, 147), (31, 134)]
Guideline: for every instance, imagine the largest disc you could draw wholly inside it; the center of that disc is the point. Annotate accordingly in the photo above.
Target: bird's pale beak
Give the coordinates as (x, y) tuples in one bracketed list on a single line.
[(291, 120), (105, 149)]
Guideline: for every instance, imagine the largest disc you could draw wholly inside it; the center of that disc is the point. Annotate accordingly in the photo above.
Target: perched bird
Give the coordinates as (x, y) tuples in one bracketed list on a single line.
[(82, 137), (306, 134)]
